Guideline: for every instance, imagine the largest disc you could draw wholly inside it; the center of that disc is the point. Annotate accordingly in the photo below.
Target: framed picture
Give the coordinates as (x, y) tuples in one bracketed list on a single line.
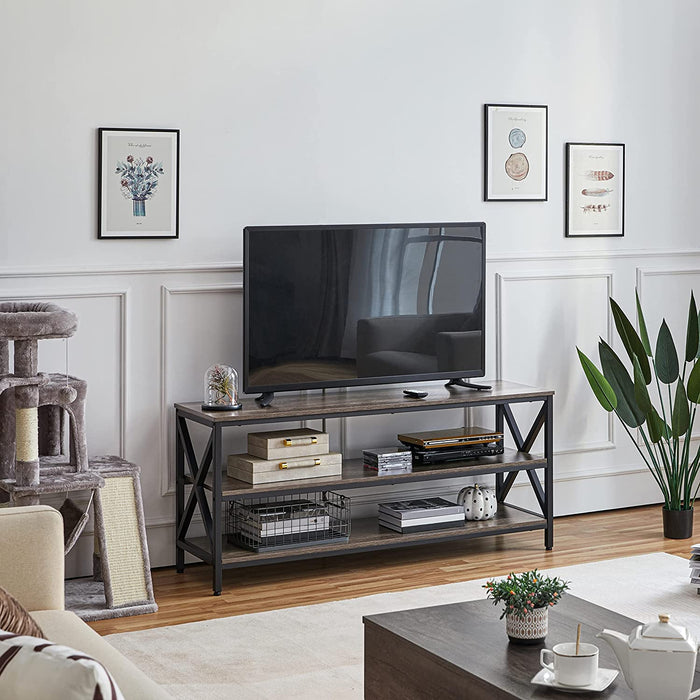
[(515, 153), (138, 175), (595, 189)]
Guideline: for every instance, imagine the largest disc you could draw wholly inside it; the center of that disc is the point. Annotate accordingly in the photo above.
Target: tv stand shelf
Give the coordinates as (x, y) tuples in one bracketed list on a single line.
[(210, 488)]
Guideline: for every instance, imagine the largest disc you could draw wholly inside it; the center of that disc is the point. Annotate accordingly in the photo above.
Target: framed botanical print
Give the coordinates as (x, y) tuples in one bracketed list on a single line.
[(515, 153), (595, 189), (138, 183)]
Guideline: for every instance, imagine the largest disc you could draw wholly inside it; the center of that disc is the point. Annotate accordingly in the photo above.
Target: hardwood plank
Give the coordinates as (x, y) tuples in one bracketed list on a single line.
[(578, 539)]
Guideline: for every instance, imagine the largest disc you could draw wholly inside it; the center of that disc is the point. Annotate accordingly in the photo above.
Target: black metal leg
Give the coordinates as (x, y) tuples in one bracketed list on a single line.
[(543, 494), (499, 476), (179, 497), (217, 515), (549, 473)]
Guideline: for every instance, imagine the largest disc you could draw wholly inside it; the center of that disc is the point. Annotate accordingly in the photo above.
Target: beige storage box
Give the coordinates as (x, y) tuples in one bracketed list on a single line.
[(281, 444), (254, 470)]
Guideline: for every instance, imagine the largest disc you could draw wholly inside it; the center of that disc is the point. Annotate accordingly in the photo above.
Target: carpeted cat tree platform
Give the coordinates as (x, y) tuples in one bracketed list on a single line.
[(35, 461)]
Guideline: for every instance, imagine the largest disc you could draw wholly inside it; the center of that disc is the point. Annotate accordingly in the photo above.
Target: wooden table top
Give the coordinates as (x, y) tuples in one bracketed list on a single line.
[(470, 637), (360, 402)]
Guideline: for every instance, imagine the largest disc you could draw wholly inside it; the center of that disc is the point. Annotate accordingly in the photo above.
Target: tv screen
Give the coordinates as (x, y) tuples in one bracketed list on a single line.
[(333, 306)]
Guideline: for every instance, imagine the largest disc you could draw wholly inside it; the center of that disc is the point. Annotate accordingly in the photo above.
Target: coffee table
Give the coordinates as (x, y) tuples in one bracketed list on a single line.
[(462, 651)]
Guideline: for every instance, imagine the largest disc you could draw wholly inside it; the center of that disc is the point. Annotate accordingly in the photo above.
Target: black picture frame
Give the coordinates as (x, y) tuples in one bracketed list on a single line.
[(516, 137), (595, 190), (148, 163)]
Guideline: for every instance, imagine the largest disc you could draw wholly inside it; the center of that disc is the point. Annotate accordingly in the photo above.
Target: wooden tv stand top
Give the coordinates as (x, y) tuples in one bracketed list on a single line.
[(337, 403)]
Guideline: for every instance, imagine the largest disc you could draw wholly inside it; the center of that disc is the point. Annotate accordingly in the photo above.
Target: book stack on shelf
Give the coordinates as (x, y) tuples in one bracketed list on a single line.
[(420, 514), (387, 460), (695, 565), (285, 455)]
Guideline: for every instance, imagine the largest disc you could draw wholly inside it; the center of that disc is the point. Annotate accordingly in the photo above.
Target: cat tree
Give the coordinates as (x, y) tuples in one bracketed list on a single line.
[(33, 408), (35, 461)]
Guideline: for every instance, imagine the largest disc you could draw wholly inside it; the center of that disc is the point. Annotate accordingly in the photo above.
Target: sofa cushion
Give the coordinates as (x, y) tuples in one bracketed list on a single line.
[(64, 627), (32, 668), (14, 618)]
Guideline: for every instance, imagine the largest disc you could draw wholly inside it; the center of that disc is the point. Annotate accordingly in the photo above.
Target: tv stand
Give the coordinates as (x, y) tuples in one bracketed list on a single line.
[(203, 486), (468, 385), (265, 399)]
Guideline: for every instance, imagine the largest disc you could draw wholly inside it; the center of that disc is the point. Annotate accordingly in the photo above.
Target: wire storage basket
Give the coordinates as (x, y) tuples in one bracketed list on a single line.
[(292, 520)]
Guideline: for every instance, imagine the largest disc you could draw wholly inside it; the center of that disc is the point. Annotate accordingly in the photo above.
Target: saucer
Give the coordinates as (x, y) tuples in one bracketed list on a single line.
[(605, 677)]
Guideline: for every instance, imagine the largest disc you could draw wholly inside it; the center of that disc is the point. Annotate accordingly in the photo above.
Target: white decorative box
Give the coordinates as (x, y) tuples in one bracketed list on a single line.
[(282, 444), (254, 470)]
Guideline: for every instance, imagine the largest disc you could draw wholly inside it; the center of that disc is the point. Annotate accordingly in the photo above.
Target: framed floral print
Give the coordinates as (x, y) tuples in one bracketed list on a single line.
[(138, 183)]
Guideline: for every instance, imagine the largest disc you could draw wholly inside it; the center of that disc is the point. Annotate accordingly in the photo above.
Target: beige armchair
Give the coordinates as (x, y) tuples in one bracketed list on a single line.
[(32, 569)]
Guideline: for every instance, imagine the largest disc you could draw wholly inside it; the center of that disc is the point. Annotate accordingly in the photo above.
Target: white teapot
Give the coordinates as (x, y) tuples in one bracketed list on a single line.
[(653, 675)]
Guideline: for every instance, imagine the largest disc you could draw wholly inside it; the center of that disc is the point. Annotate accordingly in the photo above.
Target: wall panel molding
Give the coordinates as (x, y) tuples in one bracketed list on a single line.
[(122, 296), (167, 473), (642, 272), (502, 279), (237, 265), (117, 270)]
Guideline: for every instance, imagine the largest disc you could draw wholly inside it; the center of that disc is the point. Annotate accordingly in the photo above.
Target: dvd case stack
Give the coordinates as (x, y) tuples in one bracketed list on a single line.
[(386, 460), (420, 514)]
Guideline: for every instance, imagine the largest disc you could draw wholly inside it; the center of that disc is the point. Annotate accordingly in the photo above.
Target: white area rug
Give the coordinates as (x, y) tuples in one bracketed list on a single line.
[(315, 652)]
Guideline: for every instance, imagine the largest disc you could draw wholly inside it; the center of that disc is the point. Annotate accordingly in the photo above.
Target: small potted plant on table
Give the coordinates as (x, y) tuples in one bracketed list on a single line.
[(526, 600)]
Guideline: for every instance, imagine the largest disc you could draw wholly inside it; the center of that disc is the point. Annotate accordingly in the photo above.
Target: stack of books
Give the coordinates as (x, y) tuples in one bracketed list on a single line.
[(387, 460), (420, 514), (695, 565)]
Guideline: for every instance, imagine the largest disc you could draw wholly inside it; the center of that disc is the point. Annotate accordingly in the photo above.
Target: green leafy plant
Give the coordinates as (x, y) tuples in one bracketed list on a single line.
[(655, 399), (522, 593)]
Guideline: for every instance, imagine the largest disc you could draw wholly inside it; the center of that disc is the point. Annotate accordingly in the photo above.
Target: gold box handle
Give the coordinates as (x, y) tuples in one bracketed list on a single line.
[(291, 442), (301, 463)]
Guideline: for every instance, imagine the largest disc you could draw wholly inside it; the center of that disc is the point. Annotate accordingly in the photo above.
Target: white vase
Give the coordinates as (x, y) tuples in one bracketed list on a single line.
[(531, 628)]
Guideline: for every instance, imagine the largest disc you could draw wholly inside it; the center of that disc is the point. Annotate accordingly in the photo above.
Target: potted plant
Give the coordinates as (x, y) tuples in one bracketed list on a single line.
[(659, 398), (526, 600)]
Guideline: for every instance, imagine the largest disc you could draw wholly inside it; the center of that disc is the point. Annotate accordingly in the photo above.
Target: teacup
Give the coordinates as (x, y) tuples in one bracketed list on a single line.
[(570, 668)]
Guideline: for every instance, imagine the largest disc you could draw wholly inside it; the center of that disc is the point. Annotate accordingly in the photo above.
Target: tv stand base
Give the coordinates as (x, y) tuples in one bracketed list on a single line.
[(265, 399), (468, 385)]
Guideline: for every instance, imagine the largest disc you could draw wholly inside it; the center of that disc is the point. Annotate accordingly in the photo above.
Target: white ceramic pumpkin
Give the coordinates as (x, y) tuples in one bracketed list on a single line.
[(479, 503)]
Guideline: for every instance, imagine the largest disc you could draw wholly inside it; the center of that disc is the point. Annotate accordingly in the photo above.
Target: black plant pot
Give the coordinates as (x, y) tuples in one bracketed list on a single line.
[(678, 524)]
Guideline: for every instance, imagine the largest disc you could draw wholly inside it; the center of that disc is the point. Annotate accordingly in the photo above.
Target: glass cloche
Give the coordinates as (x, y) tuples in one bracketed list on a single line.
[(221, 389)]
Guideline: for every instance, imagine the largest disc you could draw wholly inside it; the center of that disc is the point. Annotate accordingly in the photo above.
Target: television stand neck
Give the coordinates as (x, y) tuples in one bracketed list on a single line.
[(265, 399), (468, 385)]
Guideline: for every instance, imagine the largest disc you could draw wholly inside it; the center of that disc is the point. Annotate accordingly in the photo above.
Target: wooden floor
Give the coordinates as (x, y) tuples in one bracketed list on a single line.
[(577, 539)]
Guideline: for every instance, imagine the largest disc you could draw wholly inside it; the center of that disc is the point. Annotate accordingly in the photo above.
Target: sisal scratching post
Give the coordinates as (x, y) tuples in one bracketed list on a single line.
[(120, 530)]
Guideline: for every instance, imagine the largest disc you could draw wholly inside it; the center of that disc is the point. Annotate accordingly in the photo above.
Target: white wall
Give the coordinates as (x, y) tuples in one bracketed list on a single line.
[(341, 111)]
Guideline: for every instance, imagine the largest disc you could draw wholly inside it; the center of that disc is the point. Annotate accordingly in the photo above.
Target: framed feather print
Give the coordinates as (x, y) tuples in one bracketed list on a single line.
[(595, 189)]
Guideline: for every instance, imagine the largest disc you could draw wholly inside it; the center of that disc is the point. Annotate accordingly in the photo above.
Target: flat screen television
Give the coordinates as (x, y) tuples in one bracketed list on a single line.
[(337, 306)]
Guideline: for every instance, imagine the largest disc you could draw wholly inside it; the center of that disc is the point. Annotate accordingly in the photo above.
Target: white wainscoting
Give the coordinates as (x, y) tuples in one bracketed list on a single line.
[(541, 318), (146, 337)]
